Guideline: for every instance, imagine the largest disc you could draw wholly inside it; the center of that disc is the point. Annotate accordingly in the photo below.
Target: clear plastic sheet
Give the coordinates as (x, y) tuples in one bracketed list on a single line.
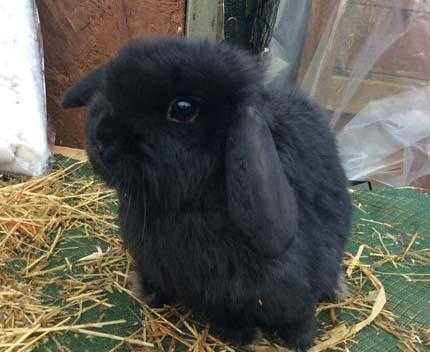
[(287, 42), (371, 70), (389, 140)]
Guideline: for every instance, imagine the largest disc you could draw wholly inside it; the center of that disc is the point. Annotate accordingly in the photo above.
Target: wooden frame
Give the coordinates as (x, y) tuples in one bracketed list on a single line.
[(205, 18)]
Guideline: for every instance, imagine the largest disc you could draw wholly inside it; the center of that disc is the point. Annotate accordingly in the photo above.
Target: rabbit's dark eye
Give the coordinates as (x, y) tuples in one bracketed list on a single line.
[(183, 110)]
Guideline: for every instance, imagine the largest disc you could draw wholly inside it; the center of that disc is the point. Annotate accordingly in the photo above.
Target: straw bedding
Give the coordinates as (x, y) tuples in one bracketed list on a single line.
[(65, 280)]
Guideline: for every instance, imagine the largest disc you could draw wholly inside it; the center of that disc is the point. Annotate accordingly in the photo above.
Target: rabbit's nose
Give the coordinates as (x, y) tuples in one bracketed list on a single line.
[(107, 153), (99, 147)]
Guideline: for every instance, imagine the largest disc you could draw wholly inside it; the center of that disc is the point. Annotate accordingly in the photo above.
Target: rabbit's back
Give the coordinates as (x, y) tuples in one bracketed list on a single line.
[(309, 156)]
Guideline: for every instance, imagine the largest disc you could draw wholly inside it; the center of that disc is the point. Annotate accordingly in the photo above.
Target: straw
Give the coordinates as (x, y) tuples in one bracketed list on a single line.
[(42, 221)]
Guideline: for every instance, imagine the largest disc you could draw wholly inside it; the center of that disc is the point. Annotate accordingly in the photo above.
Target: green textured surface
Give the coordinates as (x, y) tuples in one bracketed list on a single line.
[(406, 212)]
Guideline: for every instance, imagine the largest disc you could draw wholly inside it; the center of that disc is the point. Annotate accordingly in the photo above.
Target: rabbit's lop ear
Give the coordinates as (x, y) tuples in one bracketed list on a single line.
[(81, 93), (261, 201)]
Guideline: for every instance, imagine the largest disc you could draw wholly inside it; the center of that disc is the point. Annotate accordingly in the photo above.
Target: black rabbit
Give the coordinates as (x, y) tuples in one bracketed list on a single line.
[(233, 200)]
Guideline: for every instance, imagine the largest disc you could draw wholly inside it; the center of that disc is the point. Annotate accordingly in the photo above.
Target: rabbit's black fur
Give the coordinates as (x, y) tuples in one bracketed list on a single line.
[(247, 251)]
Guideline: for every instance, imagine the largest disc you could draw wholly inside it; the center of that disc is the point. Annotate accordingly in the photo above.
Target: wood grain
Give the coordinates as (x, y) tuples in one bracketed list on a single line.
[(78, 35)]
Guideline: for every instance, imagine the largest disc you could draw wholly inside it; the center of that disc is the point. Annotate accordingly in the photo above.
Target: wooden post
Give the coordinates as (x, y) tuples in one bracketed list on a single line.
[(205, 18)]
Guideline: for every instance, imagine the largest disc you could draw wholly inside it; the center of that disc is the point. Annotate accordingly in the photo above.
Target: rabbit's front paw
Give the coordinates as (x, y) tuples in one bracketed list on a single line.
[(145, 293), (298, 335), (239, 336)]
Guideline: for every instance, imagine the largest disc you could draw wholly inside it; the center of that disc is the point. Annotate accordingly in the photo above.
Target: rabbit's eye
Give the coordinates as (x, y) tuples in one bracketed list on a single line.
[(183, 110)]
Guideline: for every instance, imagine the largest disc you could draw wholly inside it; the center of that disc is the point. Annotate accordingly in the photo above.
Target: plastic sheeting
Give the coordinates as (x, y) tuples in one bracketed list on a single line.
[(286, 45), (23, 130), (383, 126), (389, 140)]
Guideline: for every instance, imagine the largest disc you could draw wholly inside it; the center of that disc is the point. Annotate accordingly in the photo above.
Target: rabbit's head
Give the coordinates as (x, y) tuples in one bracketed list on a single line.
[(160, 110)]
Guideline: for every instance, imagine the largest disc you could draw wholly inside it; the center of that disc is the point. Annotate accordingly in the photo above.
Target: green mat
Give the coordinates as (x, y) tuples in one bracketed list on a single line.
[(400, 213), (385, 219)]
